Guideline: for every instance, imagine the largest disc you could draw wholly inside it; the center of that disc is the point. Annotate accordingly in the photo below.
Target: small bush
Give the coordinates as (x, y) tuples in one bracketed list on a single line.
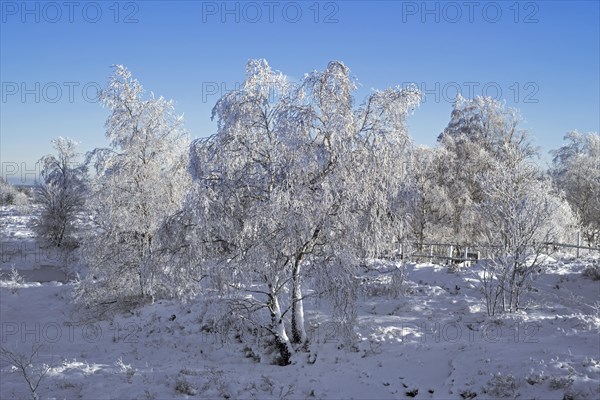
[(592, 272), (467, 394), (13, 280), (184, 387), (383, 280), (125, 369), (26, 364), (501, 386), (8, 193), (560, 382), (536, 378), (454, 268)]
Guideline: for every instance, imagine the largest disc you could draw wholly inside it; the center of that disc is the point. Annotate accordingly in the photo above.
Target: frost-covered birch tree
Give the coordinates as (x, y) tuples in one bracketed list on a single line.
[(249, 180), (482, 134), (428, 198), (576, 171), (297, 181), (520, 213), (140, 180), (61, 194)]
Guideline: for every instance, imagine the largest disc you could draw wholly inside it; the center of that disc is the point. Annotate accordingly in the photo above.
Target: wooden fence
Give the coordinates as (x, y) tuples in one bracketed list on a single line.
[(448, 253)]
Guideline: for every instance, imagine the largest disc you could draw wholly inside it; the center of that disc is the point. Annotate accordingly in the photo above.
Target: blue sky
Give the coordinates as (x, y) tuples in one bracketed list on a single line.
[(541, 57)]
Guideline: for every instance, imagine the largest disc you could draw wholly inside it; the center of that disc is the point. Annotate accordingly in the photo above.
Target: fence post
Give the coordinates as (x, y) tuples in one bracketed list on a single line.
[(450, 251), (431, 253), (578, 242)]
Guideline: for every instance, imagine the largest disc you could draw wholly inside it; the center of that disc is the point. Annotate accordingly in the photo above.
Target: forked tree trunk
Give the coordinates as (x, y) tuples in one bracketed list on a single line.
[(298, 331), (282, 342)]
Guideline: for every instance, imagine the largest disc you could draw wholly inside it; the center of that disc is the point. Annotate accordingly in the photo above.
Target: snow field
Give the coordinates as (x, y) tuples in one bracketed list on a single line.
[(433, 341)]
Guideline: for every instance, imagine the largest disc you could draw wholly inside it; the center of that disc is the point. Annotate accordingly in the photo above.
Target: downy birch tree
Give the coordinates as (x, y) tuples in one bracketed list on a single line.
[(139, 181), (296, 181)]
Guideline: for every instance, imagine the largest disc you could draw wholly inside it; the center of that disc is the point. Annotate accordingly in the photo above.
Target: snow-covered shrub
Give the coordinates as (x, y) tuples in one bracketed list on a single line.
[(590, 362), (467, 394), (99, 299), (13, 280), (268, 385), (26, 364), (383, 279), (455, 268), (8, 193), (535, 378), (521, 214), (125, 369), (592, 271), (184, 387), (397, 281), (221, 319), (61, 195), (14, 195), (560, 382), (502, 386), (215, 385), (580, 389)]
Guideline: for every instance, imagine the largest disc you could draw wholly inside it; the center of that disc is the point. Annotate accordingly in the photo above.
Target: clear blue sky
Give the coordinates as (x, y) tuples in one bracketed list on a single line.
[(542, 56)]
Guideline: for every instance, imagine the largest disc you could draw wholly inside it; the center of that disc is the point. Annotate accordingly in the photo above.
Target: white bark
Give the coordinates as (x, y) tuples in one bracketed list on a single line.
[(282, 342)]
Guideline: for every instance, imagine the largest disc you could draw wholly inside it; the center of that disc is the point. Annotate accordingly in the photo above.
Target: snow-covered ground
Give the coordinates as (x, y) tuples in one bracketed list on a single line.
[(433, 341), (21, 251)]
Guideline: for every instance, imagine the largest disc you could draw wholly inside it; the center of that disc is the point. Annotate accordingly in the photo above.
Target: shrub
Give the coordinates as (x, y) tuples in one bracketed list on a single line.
[(501, 386), (592, 272), (184, 387)]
